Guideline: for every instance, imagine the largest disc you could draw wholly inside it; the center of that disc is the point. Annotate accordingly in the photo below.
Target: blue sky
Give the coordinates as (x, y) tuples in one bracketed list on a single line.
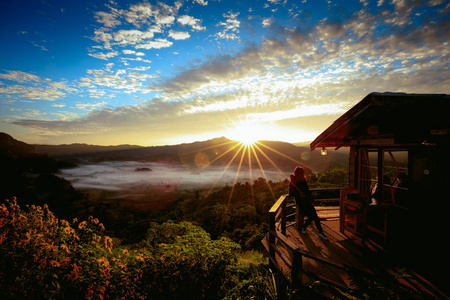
[(156, 73)]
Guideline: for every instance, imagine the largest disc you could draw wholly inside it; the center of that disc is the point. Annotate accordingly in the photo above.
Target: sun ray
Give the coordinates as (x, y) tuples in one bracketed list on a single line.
[(224, 170), (237, 174), (263, 172), (268, 158), (217, 158), (213, 146), (284, 155), (252, 195)]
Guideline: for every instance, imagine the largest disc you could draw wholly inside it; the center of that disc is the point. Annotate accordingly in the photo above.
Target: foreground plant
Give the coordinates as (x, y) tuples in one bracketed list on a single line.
[(42, 257)]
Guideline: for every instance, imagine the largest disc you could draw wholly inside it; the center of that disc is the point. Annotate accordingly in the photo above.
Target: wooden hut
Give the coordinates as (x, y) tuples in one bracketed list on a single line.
[(399, 170)]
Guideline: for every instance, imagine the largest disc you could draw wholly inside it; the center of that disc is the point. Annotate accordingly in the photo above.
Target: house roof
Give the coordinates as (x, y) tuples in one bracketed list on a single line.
[(405, 118)]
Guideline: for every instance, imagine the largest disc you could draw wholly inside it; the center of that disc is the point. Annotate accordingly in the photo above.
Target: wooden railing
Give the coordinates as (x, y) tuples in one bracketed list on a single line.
[(281, 247)]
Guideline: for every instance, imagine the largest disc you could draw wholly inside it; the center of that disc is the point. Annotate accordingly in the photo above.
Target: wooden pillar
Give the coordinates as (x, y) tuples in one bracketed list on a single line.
[(283, 216), (272, 228), (297, 269), (298, 218)]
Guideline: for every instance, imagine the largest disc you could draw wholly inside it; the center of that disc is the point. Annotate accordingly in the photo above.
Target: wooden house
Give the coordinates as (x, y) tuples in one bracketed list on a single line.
[(399, 170), (392, 216)]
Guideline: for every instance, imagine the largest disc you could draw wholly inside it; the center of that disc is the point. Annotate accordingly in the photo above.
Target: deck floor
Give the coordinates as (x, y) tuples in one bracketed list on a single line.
[(345, 250)]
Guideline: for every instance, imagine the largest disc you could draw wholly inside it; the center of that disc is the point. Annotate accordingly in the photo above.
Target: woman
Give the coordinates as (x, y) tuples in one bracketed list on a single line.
[(298, 188)]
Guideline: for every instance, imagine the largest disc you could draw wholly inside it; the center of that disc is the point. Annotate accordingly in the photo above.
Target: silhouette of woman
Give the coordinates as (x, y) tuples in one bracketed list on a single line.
[(298, 188)]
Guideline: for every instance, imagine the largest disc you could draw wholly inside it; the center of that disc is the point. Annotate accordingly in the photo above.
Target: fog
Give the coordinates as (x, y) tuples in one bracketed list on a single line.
[(116, 176)]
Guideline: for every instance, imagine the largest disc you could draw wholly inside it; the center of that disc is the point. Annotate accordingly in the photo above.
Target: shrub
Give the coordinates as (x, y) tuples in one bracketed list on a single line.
[(42, 257)]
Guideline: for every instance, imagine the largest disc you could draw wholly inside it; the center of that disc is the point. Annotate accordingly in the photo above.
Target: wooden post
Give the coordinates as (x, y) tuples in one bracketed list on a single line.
[(297, 269), (298, 218), (272, 228), (283, 217)]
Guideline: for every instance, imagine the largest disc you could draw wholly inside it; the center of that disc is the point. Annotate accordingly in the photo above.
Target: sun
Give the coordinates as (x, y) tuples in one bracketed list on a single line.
[(245, 132), (247, 139)]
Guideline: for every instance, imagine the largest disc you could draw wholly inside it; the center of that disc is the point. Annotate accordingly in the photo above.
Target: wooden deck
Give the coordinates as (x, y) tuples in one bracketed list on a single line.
[(343, 257)]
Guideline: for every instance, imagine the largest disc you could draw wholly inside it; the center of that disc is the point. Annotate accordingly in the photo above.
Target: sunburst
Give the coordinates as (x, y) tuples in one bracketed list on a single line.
[(245, 143)]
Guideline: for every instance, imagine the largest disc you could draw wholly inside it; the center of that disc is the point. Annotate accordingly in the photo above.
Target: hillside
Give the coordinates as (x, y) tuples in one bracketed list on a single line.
[(218, 151), (28, 175)]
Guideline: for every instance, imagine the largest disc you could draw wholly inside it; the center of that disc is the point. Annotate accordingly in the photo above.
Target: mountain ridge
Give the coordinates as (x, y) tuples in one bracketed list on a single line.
[(199, 154)]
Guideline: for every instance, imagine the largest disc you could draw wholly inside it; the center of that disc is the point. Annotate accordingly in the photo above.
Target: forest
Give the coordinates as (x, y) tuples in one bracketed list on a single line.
[(191, 248)]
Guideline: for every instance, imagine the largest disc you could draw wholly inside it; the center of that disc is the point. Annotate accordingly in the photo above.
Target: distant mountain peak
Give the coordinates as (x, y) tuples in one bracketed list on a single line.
[(15, 147)]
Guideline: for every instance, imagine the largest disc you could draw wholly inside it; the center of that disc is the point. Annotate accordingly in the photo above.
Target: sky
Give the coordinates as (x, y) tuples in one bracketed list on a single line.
[(161, 73)]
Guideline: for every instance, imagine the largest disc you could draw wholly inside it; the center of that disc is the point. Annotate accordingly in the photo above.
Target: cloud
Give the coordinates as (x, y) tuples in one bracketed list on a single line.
[(108, 19), (137, 25), (132, 36), (90, 106), (19, 76), (230, 27), (133, 52), (201, 2), (33, 87), (156, 44), (104, 56), (127, 80), (165, 20), (179, 35), (267, 22), (191, 21)]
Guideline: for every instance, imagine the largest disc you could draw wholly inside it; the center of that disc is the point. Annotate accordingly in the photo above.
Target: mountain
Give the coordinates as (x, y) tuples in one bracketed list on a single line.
[(218, 151), (28, 175), (13, 147), (77, 149)]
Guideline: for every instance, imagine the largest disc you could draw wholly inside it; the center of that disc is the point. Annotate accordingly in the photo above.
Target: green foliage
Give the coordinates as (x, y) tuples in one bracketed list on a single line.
[(42, 257), (332, 178)]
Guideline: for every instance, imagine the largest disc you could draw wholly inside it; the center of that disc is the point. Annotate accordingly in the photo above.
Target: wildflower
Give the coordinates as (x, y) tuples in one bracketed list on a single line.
[(64, 262), (54, 263), (64, 247), (75, 273), (82, 224), (140, 258), (125, 252)]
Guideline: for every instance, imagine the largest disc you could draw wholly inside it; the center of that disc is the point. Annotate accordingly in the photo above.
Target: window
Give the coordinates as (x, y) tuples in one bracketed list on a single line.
[(391, 165)]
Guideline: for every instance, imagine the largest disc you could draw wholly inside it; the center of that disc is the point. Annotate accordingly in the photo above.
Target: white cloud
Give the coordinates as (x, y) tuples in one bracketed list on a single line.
[(156, 44), (108, 19), (191, 21), (165, 20), (230, 27), (267, 22), (19, 76), (179, 35), (132, 52), (33, 87), (104, 56), (132, 37), (201, 2), (90, 106)]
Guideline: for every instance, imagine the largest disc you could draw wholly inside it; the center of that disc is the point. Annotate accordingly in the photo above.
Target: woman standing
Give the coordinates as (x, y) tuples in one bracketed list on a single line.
[(298, 188)]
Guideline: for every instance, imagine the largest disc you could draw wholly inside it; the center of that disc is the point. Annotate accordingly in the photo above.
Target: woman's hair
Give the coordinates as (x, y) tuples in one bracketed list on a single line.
[(299, 171)]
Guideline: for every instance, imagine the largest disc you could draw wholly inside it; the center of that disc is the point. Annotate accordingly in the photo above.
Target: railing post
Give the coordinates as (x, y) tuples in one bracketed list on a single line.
[(272, 228), (297, 269), (298, 217), (283, 217)]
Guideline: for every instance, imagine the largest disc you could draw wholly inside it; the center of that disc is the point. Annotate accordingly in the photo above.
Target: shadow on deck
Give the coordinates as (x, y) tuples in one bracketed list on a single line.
[(342, 262)]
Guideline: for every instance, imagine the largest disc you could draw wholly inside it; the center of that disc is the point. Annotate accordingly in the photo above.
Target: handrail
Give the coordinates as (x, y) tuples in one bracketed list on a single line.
[(327, 189), (277, 238)]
